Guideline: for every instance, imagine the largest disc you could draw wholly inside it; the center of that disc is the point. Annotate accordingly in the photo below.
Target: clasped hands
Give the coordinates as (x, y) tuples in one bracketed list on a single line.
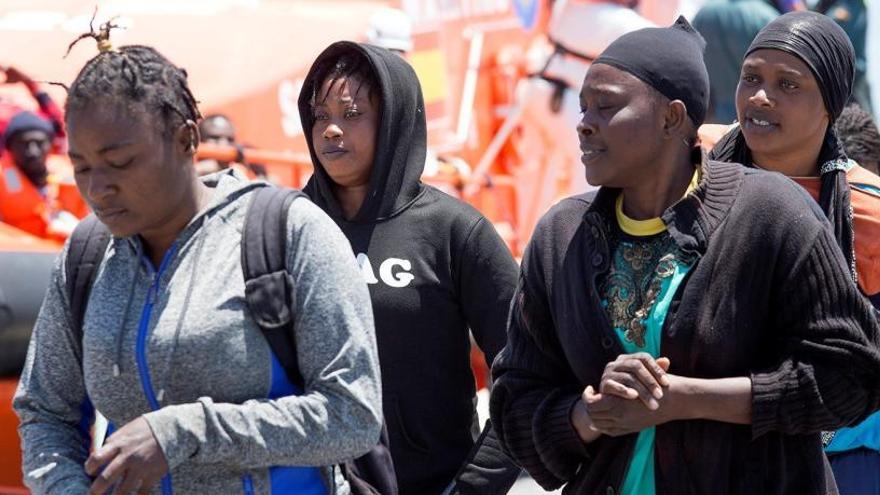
[(633, 395)]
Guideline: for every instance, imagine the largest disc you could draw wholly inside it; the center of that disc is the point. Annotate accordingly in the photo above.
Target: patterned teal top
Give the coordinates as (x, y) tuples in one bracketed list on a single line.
[(638, 290)]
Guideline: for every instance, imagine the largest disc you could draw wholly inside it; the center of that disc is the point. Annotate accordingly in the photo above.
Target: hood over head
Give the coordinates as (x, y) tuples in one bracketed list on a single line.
[(401, 136)]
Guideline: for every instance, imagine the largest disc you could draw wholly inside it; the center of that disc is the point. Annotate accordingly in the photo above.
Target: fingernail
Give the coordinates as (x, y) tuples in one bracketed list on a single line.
[(658, 393)]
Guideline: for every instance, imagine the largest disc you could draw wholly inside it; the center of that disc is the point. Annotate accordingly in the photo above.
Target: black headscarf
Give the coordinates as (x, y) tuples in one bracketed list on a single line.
[(668, 59), (827, 51)]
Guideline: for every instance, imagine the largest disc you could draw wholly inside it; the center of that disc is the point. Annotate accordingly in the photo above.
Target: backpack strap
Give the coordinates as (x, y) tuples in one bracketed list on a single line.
[(268, 287), (88, 243)]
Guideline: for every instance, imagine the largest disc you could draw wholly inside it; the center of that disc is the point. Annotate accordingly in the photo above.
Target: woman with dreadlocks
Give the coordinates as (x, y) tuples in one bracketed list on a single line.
[(795, 80), (169, 352), (436, 268)]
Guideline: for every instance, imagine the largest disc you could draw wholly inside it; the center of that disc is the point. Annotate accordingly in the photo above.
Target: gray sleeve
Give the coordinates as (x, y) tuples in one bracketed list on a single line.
[(339, 416), (51, 401)]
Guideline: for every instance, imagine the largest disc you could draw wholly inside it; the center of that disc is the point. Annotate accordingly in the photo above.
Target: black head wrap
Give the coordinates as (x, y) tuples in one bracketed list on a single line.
[(822, 45), (825, 48), (669, 60)]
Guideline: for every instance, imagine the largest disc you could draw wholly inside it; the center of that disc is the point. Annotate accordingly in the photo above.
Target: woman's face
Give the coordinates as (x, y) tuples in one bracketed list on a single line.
[(779, 105), (344, 133), (620, 131), (133, 175)]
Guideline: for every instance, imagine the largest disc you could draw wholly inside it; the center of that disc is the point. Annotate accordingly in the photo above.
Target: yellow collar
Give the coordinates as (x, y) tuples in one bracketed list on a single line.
[(651, 226)]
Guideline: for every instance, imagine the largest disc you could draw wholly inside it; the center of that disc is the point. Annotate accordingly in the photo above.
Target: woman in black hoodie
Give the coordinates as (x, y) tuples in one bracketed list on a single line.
[(435, 267)]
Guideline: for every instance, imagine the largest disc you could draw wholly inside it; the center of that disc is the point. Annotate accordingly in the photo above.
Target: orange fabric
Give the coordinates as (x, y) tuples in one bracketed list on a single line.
[(24, 207), (10, 455), (21, 204), (866, 222), (62, 186)]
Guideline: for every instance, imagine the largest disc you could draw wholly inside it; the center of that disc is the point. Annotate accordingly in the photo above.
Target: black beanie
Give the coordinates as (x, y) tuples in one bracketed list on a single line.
[(25, 121), (669, 60)]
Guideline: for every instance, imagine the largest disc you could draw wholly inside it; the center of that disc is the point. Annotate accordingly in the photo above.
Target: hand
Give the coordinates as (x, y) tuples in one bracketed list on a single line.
[(583, 424), (131, 459), (616, 416), (636, 376), (14, 75)]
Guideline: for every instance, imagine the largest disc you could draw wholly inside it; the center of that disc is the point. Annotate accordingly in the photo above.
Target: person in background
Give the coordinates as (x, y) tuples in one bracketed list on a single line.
[(860, 137), (852, 16), (48, 109), (728, 26), (31, 197), (218, 129)]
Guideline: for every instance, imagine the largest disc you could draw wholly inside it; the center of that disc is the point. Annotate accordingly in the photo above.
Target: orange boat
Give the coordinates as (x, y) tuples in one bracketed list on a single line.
[(25, 266)]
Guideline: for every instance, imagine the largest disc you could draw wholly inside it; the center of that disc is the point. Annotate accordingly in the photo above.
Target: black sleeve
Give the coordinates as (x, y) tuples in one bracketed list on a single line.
[(487, 279), (829, 373), (534, 389), (487, 469)]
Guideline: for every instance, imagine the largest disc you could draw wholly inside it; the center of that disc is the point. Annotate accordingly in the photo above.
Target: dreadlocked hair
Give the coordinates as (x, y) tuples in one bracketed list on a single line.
[(133, 73), (347, 66), (859, 135)]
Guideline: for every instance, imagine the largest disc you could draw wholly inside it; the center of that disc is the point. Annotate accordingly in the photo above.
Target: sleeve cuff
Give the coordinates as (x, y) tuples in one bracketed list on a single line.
[(556, 438), (176, 430), (768, 390)]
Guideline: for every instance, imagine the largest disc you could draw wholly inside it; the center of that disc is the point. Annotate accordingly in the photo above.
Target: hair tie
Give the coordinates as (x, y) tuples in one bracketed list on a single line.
[(105, 46)]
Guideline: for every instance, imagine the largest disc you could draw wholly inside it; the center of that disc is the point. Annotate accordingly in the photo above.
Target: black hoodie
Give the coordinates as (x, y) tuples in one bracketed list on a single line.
[(436, 268)]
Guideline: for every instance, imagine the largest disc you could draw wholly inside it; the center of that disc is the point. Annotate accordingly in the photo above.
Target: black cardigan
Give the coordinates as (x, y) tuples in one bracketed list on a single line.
[(769, 297)]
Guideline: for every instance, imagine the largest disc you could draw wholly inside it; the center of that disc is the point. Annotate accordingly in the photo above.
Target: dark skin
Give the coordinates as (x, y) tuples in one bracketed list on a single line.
[(216, 130), (131, 460), (344, 137), (636, 391), (137, 177), (29, 150), (780, 108), (619, 110)]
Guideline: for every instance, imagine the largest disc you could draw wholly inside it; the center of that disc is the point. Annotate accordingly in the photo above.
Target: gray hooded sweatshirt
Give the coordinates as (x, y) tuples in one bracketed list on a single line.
[(178, 346)]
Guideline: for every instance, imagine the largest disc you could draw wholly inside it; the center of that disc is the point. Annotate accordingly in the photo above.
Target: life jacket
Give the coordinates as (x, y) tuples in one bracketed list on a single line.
[(864, 196), (37, 212), (22, 204), (62, 187)]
